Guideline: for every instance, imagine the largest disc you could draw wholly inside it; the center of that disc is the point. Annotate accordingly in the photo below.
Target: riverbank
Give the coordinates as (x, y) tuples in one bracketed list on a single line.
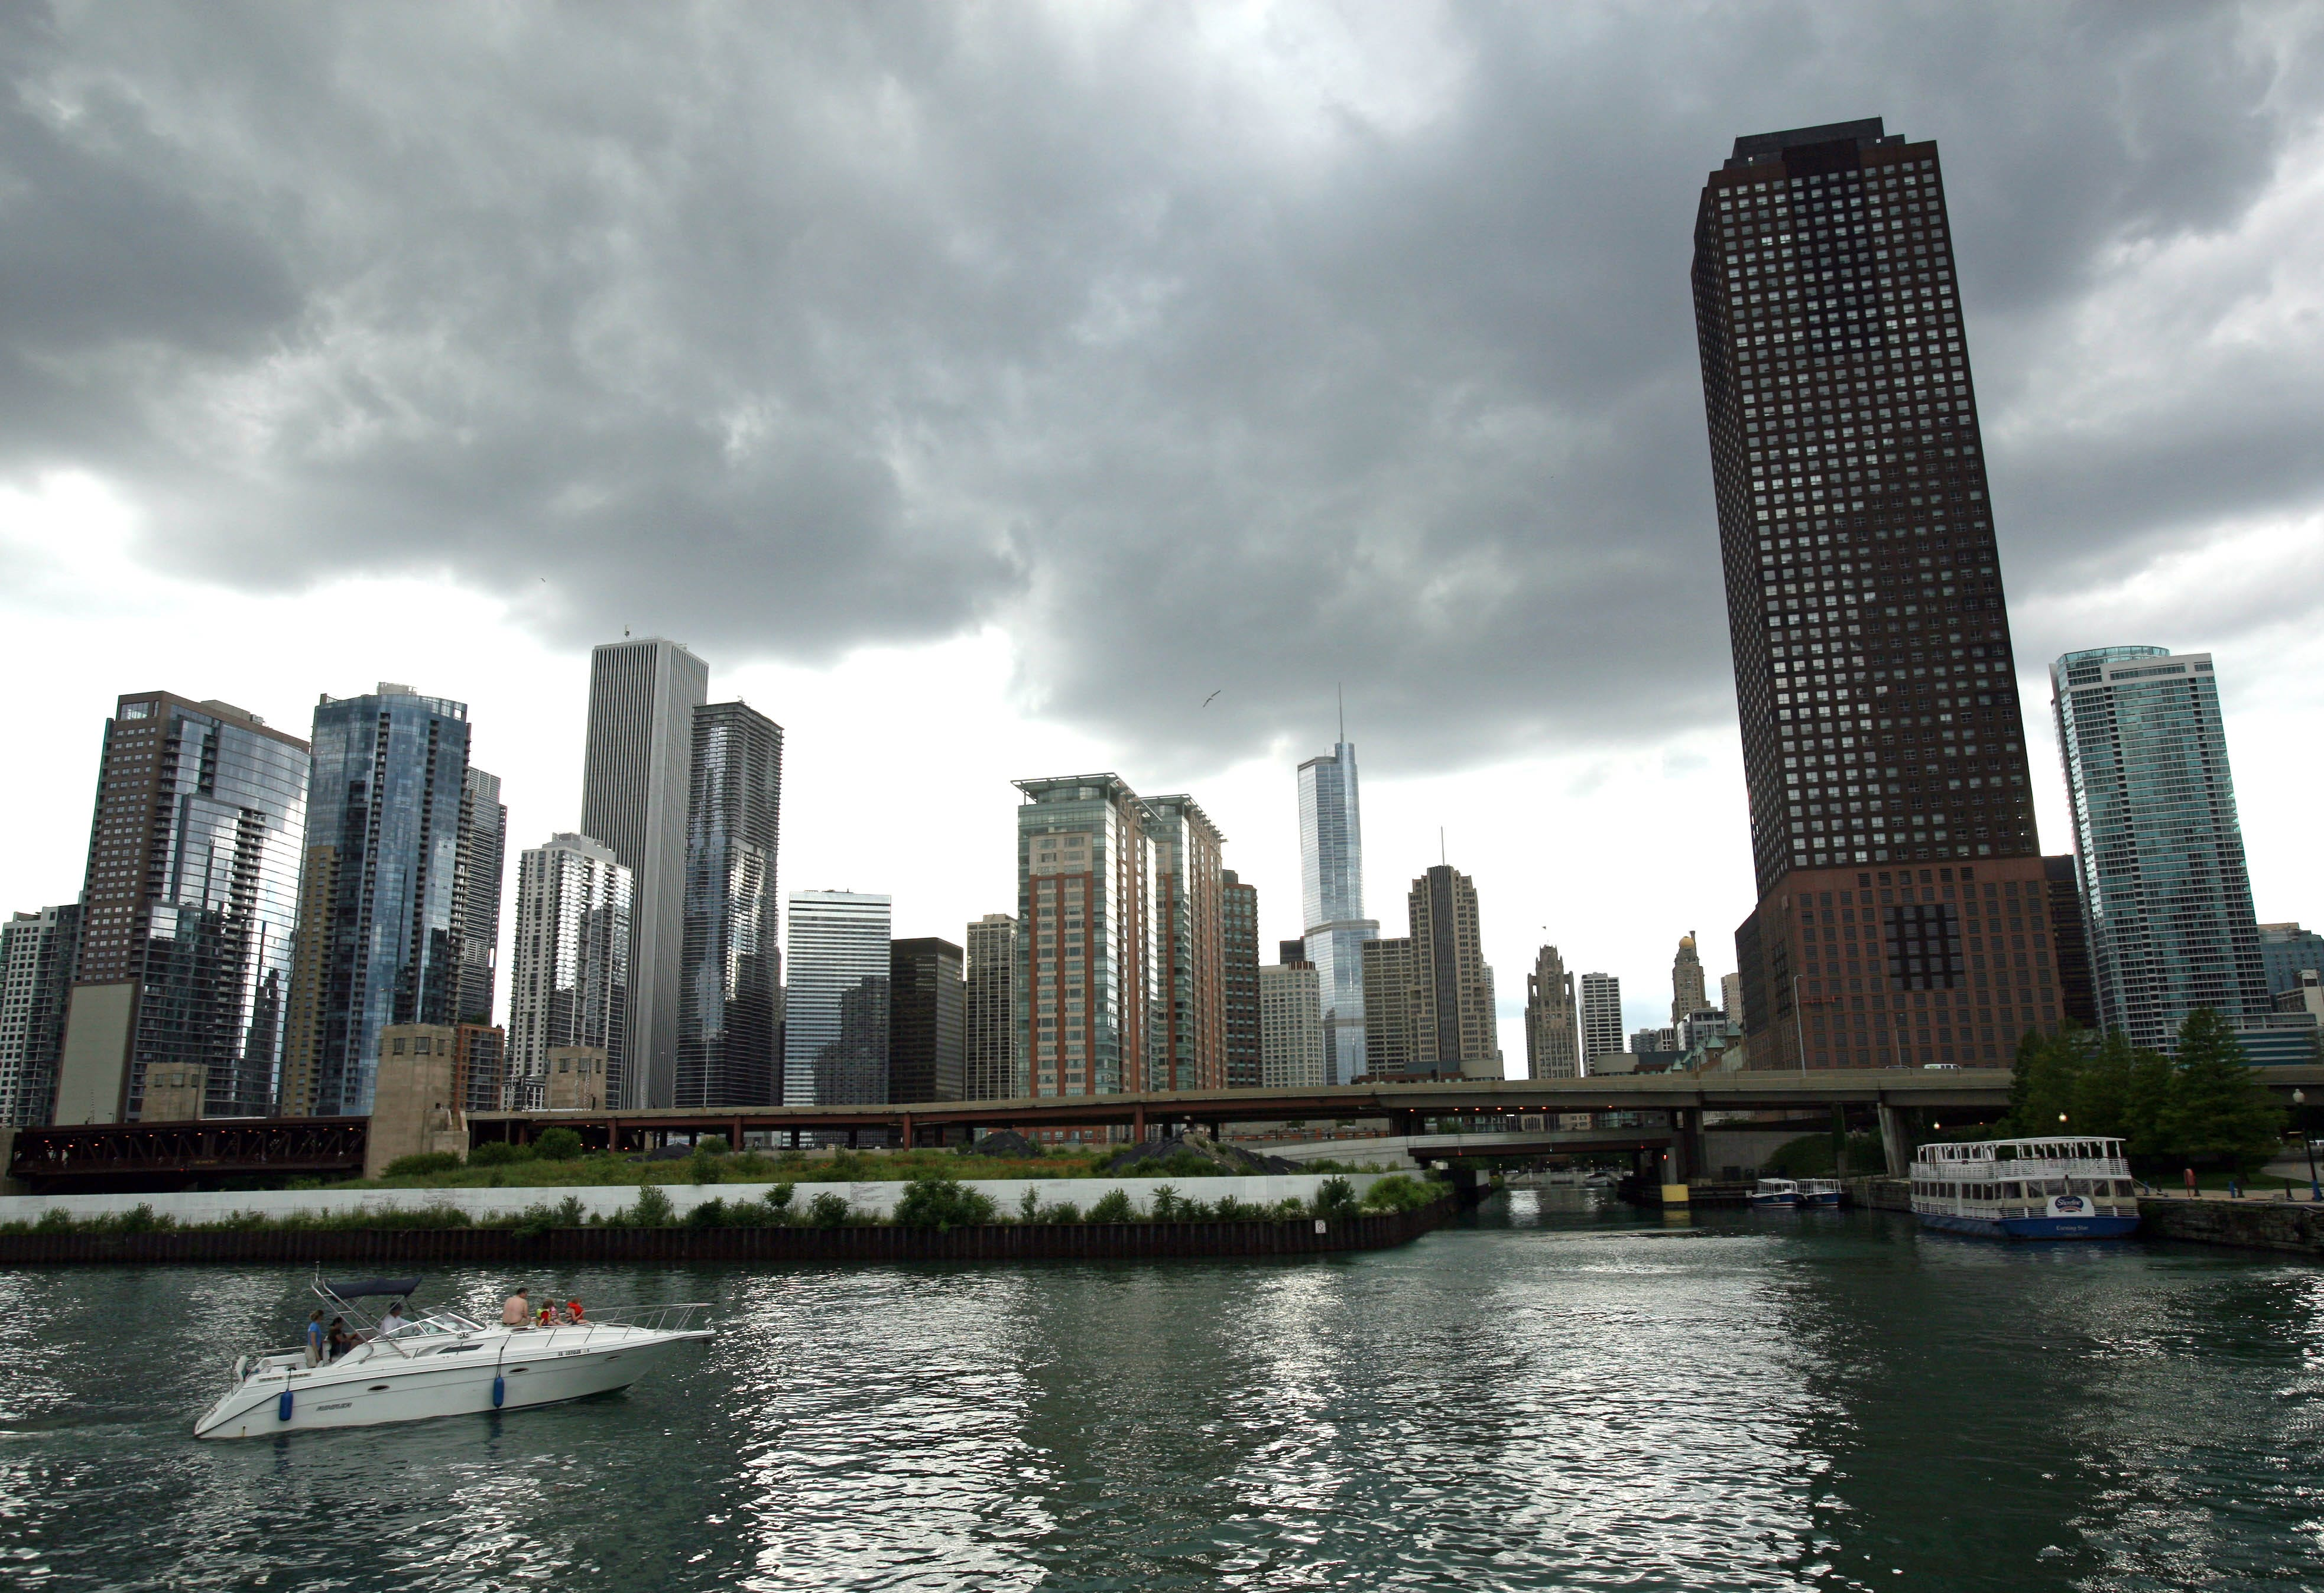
[(1152, 1238), (873, 1199)]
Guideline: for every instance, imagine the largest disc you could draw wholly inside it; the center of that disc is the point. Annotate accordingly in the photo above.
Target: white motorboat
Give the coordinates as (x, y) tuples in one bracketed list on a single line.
[(1782, 1194), (1820, 1191), (440, 1365)]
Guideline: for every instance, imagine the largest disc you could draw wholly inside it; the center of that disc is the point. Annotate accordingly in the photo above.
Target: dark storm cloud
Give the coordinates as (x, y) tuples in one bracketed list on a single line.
[(1200, 349)]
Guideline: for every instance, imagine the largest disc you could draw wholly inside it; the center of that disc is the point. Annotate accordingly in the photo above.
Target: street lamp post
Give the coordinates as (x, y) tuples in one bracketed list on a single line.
[(2300, 1097)]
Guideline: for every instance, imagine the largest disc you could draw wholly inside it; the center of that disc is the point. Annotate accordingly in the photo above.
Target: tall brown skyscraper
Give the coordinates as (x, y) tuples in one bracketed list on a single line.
[(1890, 819), (1238, 963), (1428, 997)]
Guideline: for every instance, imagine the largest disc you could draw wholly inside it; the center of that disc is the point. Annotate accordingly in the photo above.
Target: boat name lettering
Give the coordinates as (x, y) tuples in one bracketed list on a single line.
[(341, 1405)]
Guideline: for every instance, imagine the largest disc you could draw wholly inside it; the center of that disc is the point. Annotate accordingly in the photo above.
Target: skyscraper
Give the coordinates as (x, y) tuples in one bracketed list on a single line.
[(1552, 1037), (634, 782), (994, 1067), (2069, 944), (835, 1006), (377, 929), (1188, 1047), (1429, 995), (2286, 951), (2156, 840), (187, 908), (570, 962), (1238, 918), (1291, 1028), (1332, 900), (37, 952), (477, 878), (1883, 747), (1731, 996), (1687, 994), (927, 1020), (1601, 1017), (1086, 979), (731, 969)]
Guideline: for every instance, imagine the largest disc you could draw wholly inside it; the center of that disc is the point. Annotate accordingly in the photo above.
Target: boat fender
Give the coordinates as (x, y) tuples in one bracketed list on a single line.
[(500, 1390), (282, 1407)]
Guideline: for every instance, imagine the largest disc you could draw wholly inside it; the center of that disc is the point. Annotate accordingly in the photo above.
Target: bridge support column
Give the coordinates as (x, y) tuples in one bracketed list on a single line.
[(1897, 1131), (908, 1130)]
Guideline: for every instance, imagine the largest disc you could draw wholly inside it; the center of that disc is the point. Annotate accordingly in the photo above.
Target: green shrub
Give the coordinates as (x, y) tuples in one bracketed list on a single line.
[(1029, 1205), (710, 1213), (423, 1164), (1231, 1209), (827, 1210), (710, 1144), (778, 1200), (1063, 1211), (1335, 1197), (1398, 1192), (1114, 1207), (652, 1208), (932, 1201), (1168, 1205), (498, 1153), (55, 1219), (560, 1144)]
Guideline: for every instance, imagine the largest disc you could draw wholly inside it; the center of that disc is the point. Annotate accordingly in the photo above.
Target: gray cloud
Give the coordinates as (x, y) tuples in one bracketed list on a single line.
[(1357, 349)]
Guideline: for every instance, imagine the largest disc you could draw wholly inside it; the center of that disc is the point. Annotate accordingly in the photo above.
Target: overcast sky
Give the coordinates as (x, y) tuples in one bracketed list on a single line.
[(978, 388)]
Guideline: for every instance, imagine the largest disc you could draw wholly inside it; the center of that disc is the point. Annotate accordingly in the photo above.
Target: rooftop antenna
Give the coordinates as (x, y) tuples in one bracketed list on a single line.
[(1441, 861), (1341, 691)]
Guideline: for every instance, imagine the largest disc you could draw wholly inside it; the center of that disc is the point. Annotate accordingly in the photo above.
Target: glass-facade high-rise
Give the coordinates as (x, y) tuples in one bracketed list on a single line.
[(479, 878), (1239, 962), (189, 907), (2165, 893), (570, 962), (927, 1020), (636, 774), (37, 952), (1892, 823), (1187, 1045), (378, 935), (1332, 900), (835, 1006), (1085, 950), (731, 992)]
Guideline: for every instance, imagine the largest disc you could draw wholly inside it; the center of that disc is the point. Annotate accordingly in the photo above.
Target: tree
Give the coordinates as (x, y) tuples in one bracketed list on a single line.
[(2042, 1079), (2218, 1114)]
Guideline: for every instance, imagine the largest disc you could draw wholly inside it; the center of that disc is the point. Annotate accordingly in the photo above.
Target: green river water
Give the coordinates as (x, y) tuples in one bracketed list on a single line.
[(1557, 1392)]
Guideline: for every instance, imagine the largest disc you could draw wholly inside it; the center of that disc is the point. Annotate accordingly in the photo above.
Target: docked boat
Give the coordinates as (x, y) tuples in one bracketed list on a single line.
[(2063, 1188), (1820, 1191), (439, 1364), (1776, 1193)]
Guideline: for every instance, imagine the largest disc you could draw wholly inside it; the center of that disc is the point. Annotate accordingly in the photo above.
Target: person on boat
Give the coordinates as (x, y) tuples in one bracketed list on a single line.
[(573, 1312), (314, 1338), (516, 1311), (393, 1322), (341, 1339)]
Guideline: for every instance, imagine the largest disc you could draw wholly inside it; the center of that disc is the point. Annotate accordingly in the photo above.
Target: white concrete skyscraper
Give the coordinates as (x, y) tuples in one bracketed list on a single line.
[(1332, 900), (640, 758), (570, 962), (836, 1011)]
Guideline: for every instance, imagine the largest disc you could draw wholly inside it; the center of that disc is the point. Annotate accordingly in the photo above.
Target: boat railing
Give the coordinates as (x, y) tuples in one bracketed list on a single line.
[(681, 1318)]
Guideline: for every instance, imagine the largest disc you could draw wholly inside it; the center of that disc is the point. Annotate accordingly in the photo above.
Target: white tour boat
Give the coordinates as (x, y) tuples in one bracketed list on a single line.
[(1780, 1193), (1820, 1191), (439, 1364), (2063, 1188)]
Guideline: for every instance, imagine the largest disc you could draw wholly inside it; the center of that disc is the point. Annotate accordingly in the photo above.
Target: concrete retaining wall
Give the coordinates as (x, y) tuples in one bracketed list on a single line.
[(2296, 1226), (869, 1199)]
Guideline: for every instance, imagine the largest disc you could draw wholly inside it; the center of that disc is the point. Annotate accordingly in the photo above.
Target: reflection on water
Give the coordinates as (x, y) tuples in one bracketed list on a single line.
[(1557, 1393)]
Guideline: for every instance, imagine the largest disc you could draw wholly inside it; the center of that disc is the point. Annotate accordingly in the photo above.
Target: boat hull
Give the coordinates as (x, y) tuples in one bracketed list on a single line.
[(379, 1392), (1782, 1202), (2034, 1228)]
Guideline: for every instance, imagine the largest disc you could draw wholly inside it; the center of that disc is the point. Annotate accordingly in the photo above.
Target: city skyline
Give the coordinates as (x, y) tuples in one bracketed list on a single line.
[(2110, 255)]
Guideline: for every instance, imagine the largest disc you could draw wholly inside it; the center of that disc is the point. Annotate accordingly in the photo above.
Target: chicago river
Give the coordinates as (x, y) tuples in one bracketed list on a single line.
[(1556, 1393)]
